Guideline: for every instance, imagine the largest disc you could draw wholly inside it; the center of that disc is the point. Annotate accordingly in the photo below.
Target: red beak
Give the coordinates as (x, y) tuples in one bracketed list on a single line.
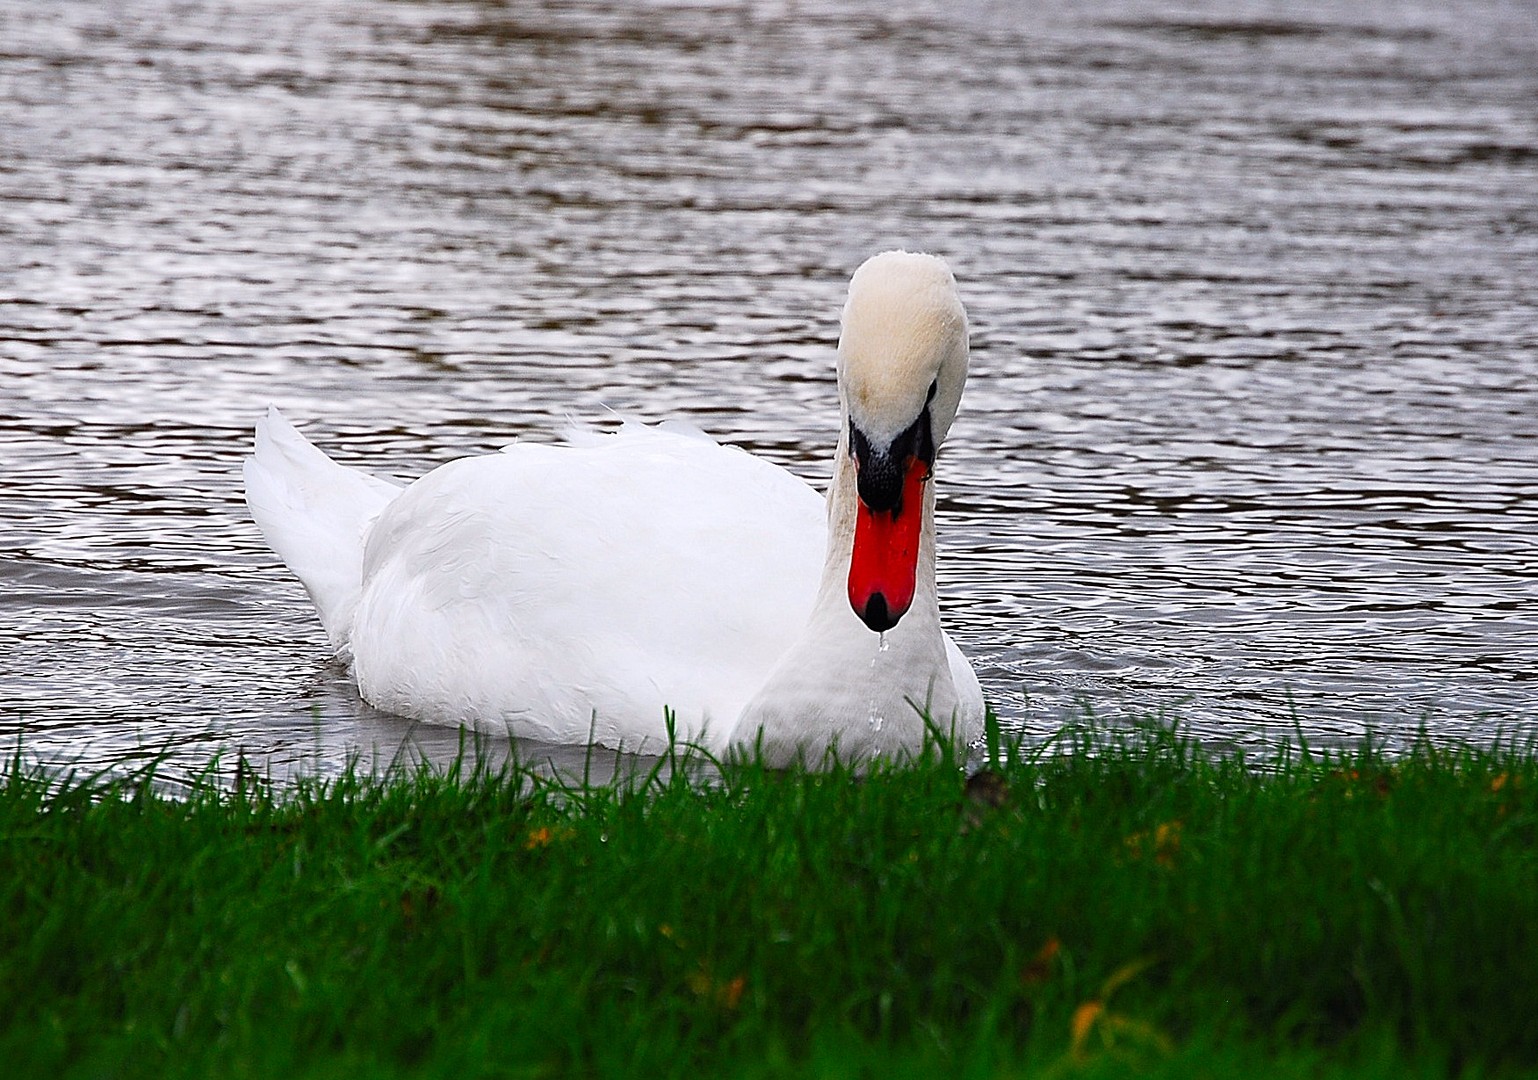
[(886, 552)]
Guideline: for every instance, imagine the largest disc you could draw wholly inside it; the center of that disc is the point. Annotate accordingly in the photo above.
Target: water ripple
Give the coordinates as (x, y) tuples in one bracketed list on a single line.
[(1250, 440)]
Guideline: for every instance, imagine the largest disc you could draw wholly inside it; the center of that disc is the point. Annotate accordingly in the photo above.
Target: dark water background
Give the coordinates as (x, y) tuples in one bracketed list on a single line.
[(1252, 437)]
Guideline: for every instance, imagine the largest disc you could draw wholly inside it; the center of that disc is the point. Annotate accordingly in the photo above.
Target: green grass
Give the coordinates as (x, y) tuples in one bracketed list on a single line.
[(1111, 905)]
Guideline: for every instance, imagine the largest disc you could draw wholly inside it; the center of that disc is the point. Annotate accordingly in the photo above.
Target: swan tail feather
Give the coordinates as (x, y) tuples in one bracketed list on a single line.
[(316, 515)]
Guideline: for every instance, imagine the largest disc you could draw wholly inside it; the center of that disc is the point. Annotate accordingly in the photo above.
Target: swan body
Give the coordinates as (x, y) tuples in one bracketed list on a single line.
[(590, 591)]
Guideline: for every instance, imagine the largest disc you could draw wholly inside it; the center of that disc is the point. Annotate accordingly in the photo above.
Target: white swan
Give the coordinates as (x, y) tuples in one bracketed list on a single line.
[(578, 592)]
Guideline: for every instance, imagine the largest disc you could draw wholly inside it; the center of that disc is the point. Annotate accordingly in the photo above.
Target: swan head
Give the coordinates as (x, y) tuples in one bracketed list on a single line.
[(902, 364)]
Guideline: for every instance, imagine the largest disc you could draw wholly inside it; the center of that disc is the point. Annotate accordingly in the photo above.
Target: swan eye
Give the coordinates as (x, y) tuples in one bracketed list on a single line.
[(859, 445)]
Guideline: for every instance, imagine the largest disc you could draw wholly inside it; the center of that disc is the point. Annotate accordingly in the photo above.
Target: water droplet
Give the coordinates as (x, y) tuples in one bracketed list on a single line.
[(882, 644), (874, 717)]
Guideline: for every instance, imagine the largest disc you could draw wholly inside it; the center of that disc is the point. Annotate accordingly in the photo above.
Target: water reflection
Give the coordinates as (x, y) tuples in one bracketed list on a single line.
[(1250, 437)]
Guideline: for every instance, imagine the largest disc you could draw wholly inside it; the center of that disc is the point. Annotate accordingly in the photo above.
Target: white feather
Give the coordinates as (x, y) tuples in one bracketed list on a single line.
[(316, 515), (590, 590)]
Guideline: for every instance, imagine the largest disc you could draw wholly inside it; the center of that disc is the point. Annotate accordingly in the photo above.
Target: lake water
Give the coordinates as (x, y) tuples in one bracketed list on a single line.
[(1252, 434)]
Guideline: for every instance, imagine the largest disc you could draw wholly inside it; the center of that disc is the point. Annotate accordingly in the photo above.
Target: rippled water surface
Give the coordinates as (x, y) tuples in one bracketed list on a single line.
[(1252, 437)]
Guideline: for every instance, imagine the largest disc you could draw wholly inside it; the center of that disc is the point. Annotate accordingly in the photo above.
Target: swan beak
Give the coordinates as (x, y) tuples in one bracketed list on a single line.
[(889, 521)]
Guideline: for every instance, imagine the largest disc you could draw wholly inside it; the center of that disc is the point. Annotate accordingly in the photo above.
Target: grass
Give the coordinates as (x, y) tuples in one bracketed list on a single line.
[(1110, 905)]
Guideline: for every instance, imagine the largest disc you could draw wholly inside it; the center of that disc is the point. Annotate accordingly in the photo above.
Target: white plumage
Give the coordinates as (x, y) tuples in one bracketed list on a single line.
[(583, 591)]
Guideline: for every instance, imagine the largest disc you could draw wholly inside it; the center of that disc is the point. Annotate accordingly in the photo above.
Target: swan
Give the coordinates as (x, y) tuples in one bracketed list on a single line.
[(605, 589)]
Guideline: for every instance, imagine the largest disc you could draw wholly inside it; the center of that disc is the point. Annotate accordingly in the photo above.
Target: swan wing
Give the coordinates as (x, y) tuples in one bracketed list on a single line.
[(579, 591)]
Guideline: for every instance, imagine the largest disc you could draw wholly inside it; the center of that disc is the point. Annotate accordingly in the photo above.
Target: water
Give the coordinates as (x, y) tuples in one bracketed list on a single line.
[(1252, 437)]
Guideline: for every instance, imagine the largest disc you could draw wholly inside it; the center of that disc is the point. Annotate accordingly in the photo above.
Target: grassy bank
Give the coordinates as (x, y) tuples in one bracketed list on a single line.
[(1123, 904)]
